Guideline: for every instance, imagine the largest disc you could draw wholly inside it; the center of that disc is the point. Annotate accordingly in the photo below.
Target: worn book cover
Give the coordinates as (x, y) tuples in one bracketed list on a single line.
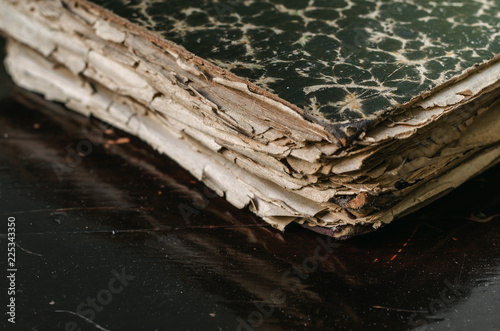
[(340, 115)]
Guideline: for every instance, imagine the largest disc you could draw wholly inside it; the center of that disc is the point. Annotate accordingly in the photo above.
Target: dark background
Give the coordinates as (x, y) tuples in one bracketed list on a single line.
[(121, 208)]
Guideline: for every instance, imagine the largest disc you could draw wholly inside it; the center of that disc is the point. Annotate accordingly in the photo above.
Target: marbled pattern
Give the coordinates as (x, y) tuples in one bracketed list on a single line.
[(340, 60)]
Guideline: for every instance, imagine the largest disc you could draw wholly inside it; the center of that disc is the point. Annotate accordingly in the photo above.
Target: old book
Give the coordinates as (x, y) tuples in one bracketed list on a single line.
[(339, 115)]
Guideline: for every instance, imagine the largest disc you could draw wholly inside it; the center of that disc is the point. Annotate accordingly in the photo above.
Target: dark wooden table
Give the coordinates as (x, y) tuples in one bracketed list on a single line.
[(113, 236)]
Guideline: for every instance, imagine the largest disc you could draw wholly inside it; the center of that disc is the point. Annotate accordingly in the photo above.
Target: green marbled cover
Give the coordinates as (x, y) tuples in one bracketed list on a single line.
[(340, 60)]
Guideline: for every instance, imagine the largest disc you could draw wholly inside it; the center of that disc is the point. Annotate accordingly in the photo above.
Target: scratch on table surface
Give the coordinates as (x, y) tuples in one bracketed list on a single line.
[(84, 318), (405, 244), (167, 228), (462, 267), (59, 210), (398, 309), (27, 251), (481, 218), (411, 237)]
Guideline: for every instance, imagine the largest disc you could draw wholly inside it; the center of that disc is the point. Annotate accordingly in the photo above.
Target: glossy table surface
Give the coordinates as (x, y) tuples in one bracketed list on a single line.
[(113, 236)]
